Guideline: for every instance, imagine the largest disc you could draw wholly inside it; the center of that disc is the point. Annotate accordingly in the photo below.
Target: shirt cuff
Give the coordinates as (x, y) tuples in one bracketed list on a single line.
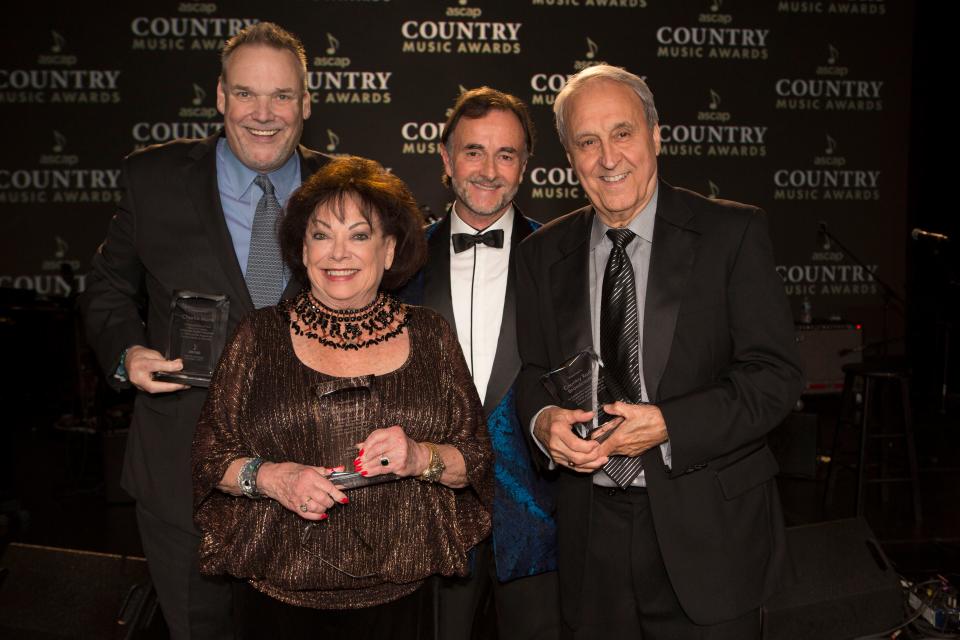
[(550, 463)]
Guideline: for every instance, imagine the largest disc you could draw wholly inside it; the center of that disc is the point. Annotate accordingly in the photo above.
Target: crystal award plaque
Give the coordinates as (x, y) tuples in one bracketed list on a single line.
[(197, 335), (579, 384)]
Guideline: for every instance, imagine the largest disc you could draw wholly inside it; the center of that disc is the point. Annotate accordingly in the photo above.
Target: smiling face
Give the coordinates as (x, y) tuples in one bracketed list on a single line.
[(612, 149), (485, 163), (263, 103), (345, 260)]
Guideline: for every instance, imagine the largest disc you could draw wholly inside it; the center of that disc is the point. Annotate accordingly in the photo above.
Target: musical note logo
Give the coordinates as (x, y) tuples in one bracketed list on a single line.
[(332, 140), (462, 3), (58, 42), (591, 49), (715, 5), (714, 189), (831, 145), (62, 247), (832, 55), (198, 95), (714, 99), (333, 44), (59, 141)]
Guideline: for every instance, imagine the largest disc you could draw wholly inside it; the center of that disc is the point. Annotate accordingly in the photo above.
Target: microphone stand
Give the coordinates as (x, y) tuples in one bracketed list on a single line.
[(888, 292)]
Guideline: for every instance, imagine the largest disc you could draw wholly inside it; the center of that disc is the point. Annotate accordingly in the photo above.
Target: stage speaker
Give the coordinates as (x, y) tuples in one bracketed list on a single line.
[(824, 349), (49, 593), (844, 586)]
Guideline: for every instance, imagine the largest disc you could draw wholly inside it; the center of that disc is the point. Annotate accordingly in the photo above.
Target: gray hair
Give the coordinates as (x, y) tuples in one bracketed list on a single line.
[(602, 72)]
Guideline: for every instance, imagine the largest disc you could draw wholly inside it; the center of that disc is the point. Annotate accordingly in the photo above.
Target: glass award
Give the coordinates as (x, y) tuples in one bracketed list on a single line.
[(197, 335), (344, 412), (579, 384)]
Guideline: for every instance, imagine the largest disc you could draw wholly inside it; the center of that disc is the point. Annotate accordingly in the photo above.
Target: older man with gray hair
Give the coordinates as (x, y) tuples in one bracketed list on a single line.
[(670, 525)]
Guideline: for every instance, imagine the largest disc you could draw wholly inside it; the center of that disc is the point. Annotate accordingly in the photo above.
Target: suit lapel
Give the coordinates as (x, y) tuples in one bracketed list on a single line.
[(569, 280), (200, 177), (436, 276), (506, 362), (674, 250)]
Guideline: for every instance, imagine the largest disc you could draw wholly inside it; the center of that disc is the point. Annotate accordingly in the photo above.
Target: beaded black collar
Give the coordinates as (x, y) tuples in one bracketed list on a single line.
[(379, 321)]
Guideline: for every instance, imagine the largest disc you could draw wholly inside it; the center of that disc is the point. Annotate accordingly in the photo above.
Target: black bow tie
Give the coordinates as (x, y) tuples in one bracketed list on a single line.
[(463, 241)]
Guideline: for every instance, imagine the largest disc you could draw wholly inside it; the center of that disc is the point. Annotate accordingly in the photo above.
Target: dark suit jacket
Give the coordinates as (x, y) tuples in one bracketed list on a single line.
[(720, 361), (169, 233), (524, 530)]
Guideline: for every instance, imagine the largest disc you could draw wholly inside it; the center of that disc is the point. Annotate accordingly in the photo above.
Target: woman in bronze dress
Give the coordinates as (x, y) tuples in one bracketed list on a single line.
[(343, 375)]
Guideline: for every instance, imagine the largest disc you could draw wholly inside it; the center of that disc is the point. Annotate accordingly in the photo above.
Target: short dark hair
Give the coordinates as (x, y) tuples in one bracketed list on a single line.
[(384, 200), (267, 34), (476, 103)]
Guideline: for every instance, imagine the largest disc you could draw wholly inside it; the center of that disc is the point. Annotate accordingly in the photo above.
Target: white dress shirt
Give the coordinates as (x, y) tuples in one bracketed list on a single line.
[(478, 286)]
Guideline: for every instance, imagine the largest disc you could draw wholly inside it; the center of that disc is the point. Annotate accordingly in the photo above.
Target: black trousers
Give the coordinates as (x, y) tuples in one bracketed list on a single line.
[(526, 608), (626, 590), (195, 607), (262, 617)]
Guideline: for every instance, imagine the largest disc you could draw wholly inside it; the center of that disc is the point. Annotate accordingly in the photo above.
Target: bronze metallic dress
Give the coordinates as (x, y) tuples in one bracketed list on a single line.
[(265, 402)]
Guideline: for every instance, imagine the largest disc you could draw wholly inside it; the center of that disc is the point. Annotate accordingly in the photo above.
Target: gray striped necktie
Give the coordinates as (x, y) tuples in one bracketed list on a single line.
[(264, 265), (620, 343)]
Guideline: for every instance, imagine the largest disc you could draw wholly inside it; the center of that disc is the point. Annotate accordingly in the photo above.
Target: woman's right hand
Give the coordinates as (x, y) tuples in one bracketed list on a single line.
[(305, 490)]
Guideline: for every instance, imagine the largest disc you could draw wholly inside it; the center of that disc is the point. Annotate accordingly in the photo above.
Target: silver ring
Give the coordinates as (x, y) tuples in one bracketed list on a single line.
[(571, 463), (384, 461)]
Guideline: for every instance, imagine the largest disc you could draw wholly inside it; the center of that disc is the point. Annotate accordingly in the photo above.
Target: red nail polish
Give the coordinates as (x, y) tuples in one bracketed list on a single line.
[(360, 455), (356, 461), (324, 516), (363, 473), (345, 500)]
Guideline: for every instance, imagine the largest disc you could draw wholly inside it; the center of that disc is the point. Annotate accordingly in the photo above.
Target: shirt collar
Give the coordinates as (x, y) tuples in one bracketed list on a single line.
[(505, 222), (642, 223), (239, 177)]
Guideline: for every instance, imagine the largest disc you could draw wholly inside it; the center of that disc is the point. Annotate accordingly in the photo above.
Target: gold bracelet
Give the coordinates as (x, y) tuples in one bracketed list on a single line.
[(435, 467)]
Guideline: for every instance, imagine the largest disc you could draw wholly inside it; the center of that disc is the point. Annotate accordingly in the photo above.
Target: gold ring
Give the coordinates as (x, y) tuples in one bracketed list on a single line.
[(303, 507)]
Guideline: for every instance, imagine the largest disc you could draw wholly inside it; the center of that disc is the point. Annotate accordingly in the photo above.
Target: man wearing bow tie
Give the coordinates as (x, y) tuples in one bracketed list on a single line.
[(486, 142)]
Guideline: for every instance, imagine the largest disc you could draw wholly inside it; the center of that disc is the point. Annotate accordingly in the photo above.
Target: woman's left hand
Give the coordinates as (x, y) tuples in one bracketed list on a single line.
[(391, 451)]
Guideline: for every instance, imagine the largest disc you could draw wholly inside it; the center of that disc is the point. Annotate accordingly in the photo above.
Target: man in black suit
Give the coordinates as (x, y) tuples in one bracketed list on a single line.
[(197, 215), (678, 295), (469, 279)]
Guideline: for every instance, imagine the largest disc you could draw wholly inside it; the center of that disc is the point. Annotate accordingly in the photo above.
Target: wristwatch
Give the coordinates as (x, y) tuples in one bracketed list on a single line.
[(435, 467)]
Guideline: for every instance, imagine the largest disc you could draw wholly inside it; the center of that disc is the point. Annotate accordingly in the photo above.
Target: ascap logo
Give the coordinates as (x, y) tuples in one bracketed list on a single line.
[(198, 123), (713, 191), (721, 140), (331, 59), (838, 7), (713, 112), (717, 42), (830, 91), (421, 138), (179, 33), (459, 36), (554, 183), (57, 56), (590, 56), (714, 16), (57, 180), (60, 257), (57, 155), (828, 180), (197, 7), (346, 87), (195, 110), (57, 85), (621, 4), (59, 283), (463, 11)]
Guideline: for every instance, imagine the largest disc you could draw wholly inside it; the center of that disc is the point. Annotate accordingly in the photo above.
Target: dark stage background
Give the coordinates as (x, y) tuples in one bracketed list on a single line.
[(800, 107)]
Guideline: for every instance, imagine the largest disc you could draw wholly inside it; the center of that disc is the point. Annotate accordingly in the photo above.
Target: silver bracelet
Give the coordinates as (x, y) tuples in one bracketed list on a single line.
[(247, 478)]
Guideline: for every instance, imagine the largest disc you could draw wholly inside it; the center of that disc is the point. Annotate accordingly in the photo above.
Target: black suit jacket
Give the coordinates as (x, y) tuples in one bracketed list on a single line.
[(169, 233), (720, 361)]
